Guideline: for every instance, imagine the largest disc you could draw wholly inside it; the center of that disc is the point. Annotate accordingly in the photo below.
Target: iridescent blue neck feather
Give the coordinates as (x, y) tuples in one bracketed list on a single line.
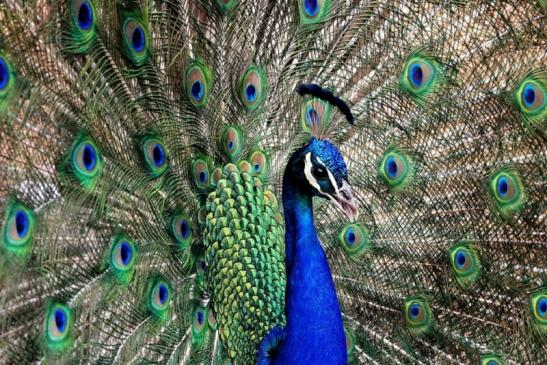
[(314, 332)]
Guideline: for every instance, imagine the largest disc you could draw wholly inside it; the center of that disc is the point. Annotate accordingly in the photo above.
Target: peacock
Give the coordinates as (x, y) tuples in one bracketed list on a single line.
[(273, 182)]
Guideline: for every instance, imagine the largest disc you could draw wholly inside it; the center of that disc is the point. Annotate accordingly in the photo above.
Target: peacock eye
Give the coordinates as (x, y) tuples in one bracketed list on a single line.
[(253, 87), (538, 309), (199, 323), (200, 173), (532, 97), (465, 263), (421, 76), (58, 325), (159, 295), (181, 230), (18, 229), (260, 163), (313, 11), (233, 142), (4, 74), (198, 83), (418, 315), (319, 172), (135, 35), (155, 156), (395, 168), (84, 14), (85, 161), (492, 359), (123, 253), (354, 239), (135, 39), (507, 191)]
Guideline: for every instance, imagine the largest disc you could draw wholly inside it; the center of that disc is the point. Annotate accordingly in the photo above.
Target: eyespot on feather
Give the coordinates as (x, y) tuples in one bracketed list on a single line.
[(199, 323), (159, 297), (58, 327), (395, 168), (18, 229), (538, 310), (354, 239), (198, 83), (253, 87), (529, 99), (314, 11), (465, 264), (7, 81), (421, 76), (259, 162), (507, 192), (135, 40), (418, 315), (492, 359), (85, 162), (181, 230), (233, 140), (155, 155), (200, 174), (122, 258)]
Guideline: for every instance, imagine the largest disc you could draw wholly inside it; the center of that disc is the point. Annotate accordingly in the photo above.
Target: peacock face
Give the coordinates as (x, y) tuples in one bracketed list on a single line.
[(327, 175)]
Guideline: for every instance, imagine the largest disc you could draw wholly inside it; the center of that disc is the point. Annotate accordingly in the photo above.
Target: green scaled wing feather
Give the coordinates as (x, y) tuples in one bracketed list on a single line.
[(142, 150)]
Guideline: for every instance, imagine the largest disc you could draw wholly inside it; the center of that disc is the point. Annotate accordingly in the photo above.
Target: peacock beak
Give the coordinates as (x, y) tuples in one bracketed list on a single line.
[(345, 201)]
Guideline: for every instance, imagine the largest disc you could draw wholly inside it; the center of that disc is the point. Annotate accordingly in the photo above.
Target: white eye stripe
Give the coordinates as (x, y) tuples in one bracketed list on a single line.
[(307, 172)]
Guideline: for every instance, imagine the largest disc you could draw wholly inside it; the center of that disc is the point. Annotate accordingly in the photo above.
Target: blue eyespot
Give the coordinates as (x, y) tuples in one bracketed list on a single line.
[(200, 317), (416, 75), (125, 253), (250, 91), (89, 157), (503, 186), (529, 95), (391, 167), (414, 310), (311, 7), (163, 293), (231, 145), (60, 320), (197, 89), (460, 259), (158, 154), (311, 116), (85, 15), (184, 229), (4, 74), (138, 39), (542, 307), (22, 223), (350, 236), (492, 362), (202, 176), (159, 295)]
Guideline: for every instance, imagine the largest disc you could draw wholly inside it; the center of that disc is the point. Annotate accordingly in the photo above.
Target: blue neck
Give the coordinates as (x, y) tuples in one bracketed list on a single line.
[(314, 333)]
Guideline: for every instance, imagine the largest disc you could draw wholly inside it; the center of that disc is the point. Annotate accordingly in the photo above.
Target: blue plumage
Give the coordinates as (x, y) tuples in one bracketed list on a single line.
[(314, 333)]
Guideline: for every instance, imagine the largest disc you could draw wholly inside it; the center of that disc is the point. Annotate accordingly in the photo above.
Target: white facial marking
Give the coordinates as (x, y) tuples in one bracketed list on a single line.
[(307, 172)]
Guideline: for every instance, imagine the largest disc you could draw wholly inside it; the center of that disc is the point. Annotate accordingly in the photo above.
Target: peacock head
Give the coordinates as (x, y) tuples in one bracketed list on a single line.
[(318, 169)]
